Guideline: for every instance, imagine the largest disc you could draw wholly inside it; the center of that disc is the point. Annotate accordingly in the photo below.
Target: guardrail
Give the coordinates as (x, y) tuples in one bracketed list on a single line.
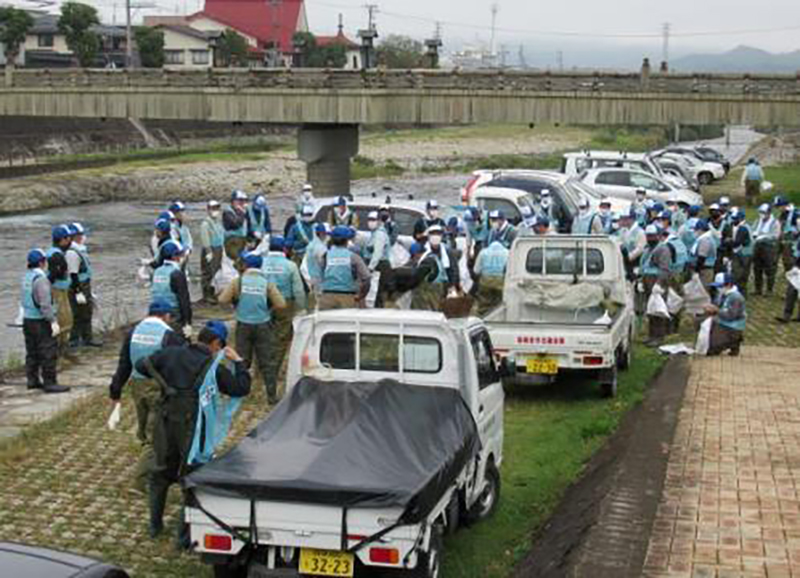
[(488, 80)]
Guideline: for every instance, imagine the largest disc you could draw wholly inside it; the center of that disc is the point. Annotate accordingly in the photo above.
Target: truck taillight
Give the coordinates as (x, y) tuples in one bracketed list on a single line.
[(217, 542), (466, 192), (593, 360), (384, 555)]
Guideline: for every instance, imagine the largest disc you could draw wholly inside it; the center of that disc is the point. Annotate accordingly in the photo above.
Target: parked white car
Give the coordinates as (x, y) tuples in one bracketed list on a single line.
[(575, 163), (705, 171), (623, 184)]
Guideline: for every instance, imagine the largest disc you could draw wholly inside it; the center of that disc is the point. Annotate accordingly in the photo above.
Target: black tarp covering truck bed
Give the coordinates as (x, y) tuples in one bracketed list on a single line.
[(352, 445)]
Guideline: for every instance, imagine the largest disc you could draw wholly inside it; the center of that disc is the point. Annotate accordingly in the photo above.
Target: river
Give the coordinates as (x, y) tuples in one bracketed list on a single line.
[(119, 235)]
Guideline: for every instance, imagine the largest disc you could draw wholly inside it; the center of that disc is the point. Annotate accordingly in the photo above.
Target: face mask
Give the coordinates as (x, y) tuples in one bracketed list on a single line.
[(372, 225), (435, 240), (214, 214), (604, 212), (433, 213), (584, 210), (652, 242), (546, 203), (496, 225), (307, 219)]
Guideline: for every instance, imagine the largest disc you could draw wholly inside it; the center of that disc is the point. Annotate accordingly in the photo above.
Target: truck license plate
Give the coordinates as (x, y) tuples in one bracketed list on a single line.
[(541, 365), (326, 563)]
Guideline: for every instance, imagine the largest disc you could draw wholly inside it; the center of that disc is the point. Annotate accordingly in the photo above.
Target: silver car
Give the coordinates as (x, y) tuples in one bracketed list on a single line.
[(623, 184)]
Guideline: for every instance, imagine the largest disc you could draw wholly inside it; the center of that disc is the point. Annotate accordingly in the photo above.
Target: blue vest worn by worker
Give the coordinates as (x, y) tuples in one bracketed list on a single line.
[(185, 236), (338, 274), (680, 252), (85, 270), (605, 221), (241, 231), (216, 235), (646, 267), (147, 338), (582, 224), (62, 284), (259, 221), (711, 257), (504, 235), (162, 287), (493, 260), (727, 302), (441, 274), (745, 250), (253, 306), (300, 236), (214, 416), (30, 309), (278, 270), (688, 236), (753, 172), (313, 263), (369, 248), (640, 212)]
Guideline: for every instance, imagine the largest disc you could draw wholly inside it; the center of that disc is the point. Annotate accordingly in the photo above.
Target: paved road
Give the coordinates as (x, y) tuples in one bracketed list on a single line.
[(736, 144)]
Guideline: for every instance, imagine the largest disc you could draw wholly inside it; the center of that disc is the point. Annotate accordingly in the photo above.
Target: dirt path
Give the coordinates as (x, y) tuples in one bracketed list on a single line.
[(604, 519)]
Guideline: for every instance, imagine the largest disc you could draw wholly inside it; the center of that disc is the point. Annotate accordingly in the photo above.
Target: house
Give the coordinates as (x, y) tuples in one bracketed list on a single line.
[(187, 47), (46, 47), (352, 49)]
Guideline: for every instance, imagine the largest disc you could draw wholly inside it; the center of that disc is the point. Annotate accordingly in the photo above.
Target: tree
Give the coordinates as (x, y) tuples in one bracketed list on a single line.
[(398, 51), (150, 43), (315, 56), (76, 24), (232, 49), (14, 26)]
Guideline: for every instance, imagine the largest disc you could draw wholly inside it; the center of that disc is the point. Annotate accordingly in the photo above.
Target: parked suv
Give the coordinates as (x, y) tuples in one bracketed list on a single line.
[(623, 184)]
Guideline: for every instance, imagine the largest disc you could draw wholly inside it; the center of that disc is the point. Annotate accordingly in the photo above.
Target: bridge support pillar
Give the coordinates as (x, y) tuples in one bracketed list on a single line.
[(327, 150)]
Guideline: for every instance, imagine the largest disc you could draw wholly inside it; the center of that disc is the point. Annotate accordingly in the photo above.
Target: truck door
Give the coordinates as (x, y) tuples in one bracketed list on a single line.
[(489, 413)]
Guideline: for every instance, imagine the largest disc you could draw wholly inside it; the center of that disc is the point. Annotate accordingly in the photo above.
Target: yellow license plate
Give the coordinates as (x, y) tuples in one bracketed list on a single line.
[(541, 365), (326, 563)]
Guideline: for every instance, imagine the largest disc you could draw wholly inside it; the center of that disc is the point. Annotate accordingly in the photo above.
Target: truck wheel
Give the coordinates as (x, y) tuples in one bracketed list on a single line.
[(609, 383), (624, 356), (229, 571), (487, 502), (705, 178), (452, 514)]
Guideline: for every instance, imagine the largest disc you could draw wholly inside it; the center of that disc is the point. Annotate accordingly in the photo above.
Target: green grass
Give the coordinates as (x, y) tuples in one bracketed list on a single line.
[(786, 179), (476, 131), (550, 433), (366, 168)]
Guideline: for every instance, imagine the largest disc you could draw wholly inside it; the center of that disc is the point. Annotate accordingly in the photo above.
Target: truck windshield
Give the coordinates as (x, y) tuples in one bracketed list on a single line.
[(564, 261), (381, 352)]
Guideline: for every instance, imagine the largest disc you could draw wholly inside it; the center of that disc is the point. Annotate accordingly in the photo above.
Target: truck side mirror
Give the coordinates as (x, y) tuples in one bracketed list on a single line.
[(508, 366)]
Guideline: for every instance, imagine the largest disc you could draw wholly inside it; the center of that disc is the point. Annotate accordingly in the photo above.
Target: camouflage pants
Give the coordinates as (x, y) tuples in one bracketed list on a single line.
[(337, 301), (63, 316), (282, 333), (146, 395)]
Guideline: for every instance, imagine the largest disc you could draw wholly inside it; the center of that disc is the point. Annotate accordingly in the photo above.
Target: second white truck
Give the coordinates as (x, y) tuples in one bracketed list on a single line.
[(567, 306)]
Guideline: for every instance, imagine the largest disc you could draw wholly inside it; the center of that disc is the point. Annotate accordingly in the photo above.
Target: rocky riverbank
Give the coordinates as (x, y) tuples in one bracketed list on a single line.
[(276, 173)]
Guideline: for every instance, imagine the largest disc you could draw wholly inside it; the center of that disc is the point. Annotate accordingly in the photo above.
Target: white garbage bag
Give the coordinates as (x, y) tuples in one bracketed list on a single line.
[(463, 272), (115, 417), (793, 277), (656, 306), (263, 246), (404, 301), (225, 275), (372, 295), (143, 275), (704, 337), (398, 256), (674, 302), (695, 296), (766, 186)]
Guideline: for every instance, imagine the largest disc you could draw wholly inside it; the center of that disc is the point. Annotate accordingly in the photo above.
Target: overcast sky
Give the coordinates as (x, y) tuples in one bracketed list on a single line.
[(722, 23)]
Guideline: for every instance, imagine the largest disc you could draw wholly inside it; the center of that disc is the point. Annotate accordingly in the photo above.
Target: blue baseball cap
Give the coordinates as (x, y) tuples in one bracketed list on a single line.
[(219, 329), (77, 229), (542, 221), (721, 280), (61, 232), (342, 232), (163, 225), (177, 207), (694, 210), (341, 202), (171, 249), (416, 249), (160, 307), (252, 260), (277, 243), (320, 228), (168, 215), (36, 256), (701, 225)]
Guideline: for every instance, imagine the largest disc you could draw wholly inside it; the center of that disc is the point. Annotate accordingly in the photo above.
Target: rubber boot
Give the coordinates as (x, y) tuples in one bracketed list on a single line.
[(157, 499)]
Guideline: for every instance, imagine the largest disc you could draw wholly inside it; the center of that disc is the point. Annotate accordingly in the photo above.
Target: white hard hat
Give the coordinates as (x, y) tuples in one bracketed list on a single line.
[(764, 208), (373, 216)]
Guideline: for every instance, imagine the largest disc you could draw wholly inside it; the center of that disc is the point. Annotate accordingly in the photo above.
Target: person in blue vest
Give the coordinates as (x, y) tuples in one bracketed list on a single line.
[(342, 216), (183, 233), (586, 222), (678, 213), (58, 273), (730, 317), (170, 285), (789, 219), (385, 214), (766, 234), (436, 274), (182, 373), (790, 300), (742, 250), (234, 225), (286, 276), (212, 240), (259, 224), (605, 215), (311, 267), (40, 326), (500, 230), (345, 276), (489, 274), (752, 177), (80, 293), (255, 299), (162, 232), (639, 207), (376, 255), (301, 234), (654, 269), (477, 233), (704, 252), (150, 335)]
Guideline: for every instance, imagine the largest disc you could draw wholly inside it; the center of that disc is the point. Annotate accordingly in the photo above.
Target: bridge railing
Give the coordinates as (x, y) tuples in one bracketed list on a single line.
[(488, 80)]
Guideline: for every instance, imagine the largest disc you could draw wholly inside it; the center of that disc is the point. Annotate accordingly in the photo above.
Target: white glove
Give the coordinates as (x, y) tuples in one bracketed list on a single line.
[(144, 261), (209, 257), (80, 299), (187, 331), (56, 328), (114, 418)]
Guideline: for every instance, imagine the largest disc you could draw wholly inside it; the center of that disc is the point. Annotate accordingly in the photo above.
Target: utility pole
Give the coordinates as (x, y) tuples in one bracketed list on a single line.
[(372, 10), (274, 54), (368, 37), (128, 36), (495, 9), (665, 30), (522, 62)]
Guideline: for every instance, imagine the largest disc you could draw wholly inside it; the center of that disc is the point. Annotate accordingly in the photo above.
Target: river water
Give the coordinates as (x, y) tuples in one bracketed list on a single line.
[(119, 235)]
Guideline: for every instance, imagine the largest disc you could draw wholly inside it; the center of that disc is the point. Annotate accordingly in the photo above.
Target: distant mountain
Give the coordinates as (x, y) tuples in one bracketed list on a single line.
[(740, 59)]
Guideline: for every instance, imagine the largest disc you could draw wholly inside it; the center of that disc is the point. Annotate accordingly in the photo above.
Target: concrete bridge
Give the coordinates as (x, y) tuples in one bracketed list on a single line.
[(330, 104)]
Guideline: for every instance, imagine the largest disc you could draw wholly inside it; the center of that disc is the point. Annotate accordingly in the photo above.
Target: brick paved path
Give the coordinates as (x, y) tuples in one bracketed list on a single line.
[(730, 505)]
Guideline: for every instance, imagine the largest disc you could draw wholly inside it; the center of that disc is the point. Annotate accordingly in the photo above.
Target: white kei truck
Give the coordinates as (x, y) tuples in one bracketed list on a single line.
[(389, 436), (567, 307)]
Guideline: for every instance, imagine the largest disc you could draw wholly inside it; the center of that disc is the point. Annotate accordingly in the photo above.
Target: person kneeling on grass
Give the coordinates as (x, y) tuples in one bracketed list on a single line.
[(730, 317)]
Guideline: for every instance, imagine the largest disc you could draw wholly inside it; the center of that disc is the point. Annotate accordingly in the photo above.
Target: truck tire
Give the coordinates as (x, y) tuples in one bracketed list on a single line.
[(624, 356), (608, 382), (485, 505), (229, 571), (429, 564)]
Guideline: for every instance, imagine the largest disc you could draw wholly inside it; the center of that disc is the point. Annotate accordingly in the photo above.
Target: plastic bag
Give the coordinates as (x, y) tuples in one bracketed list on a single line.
[(143, 275), (695, 296), (404, 301), (674, 302), (704, 337), (464, 274), (373, 289), (225, 275), (115, 417), (398, 256), (656, 306), (766, 186), (263, 246), (793, 277)]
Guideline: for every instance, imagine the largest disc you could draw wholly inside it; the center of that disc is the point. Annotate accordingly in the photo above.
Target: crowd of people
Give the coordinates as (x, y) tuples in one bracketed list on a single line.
[(176, 381)]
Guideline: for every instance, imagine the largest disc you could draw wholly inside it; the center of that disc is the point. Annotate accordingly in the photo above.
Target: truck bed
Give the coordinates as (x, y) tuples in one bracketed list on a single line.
[(544, 316)]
